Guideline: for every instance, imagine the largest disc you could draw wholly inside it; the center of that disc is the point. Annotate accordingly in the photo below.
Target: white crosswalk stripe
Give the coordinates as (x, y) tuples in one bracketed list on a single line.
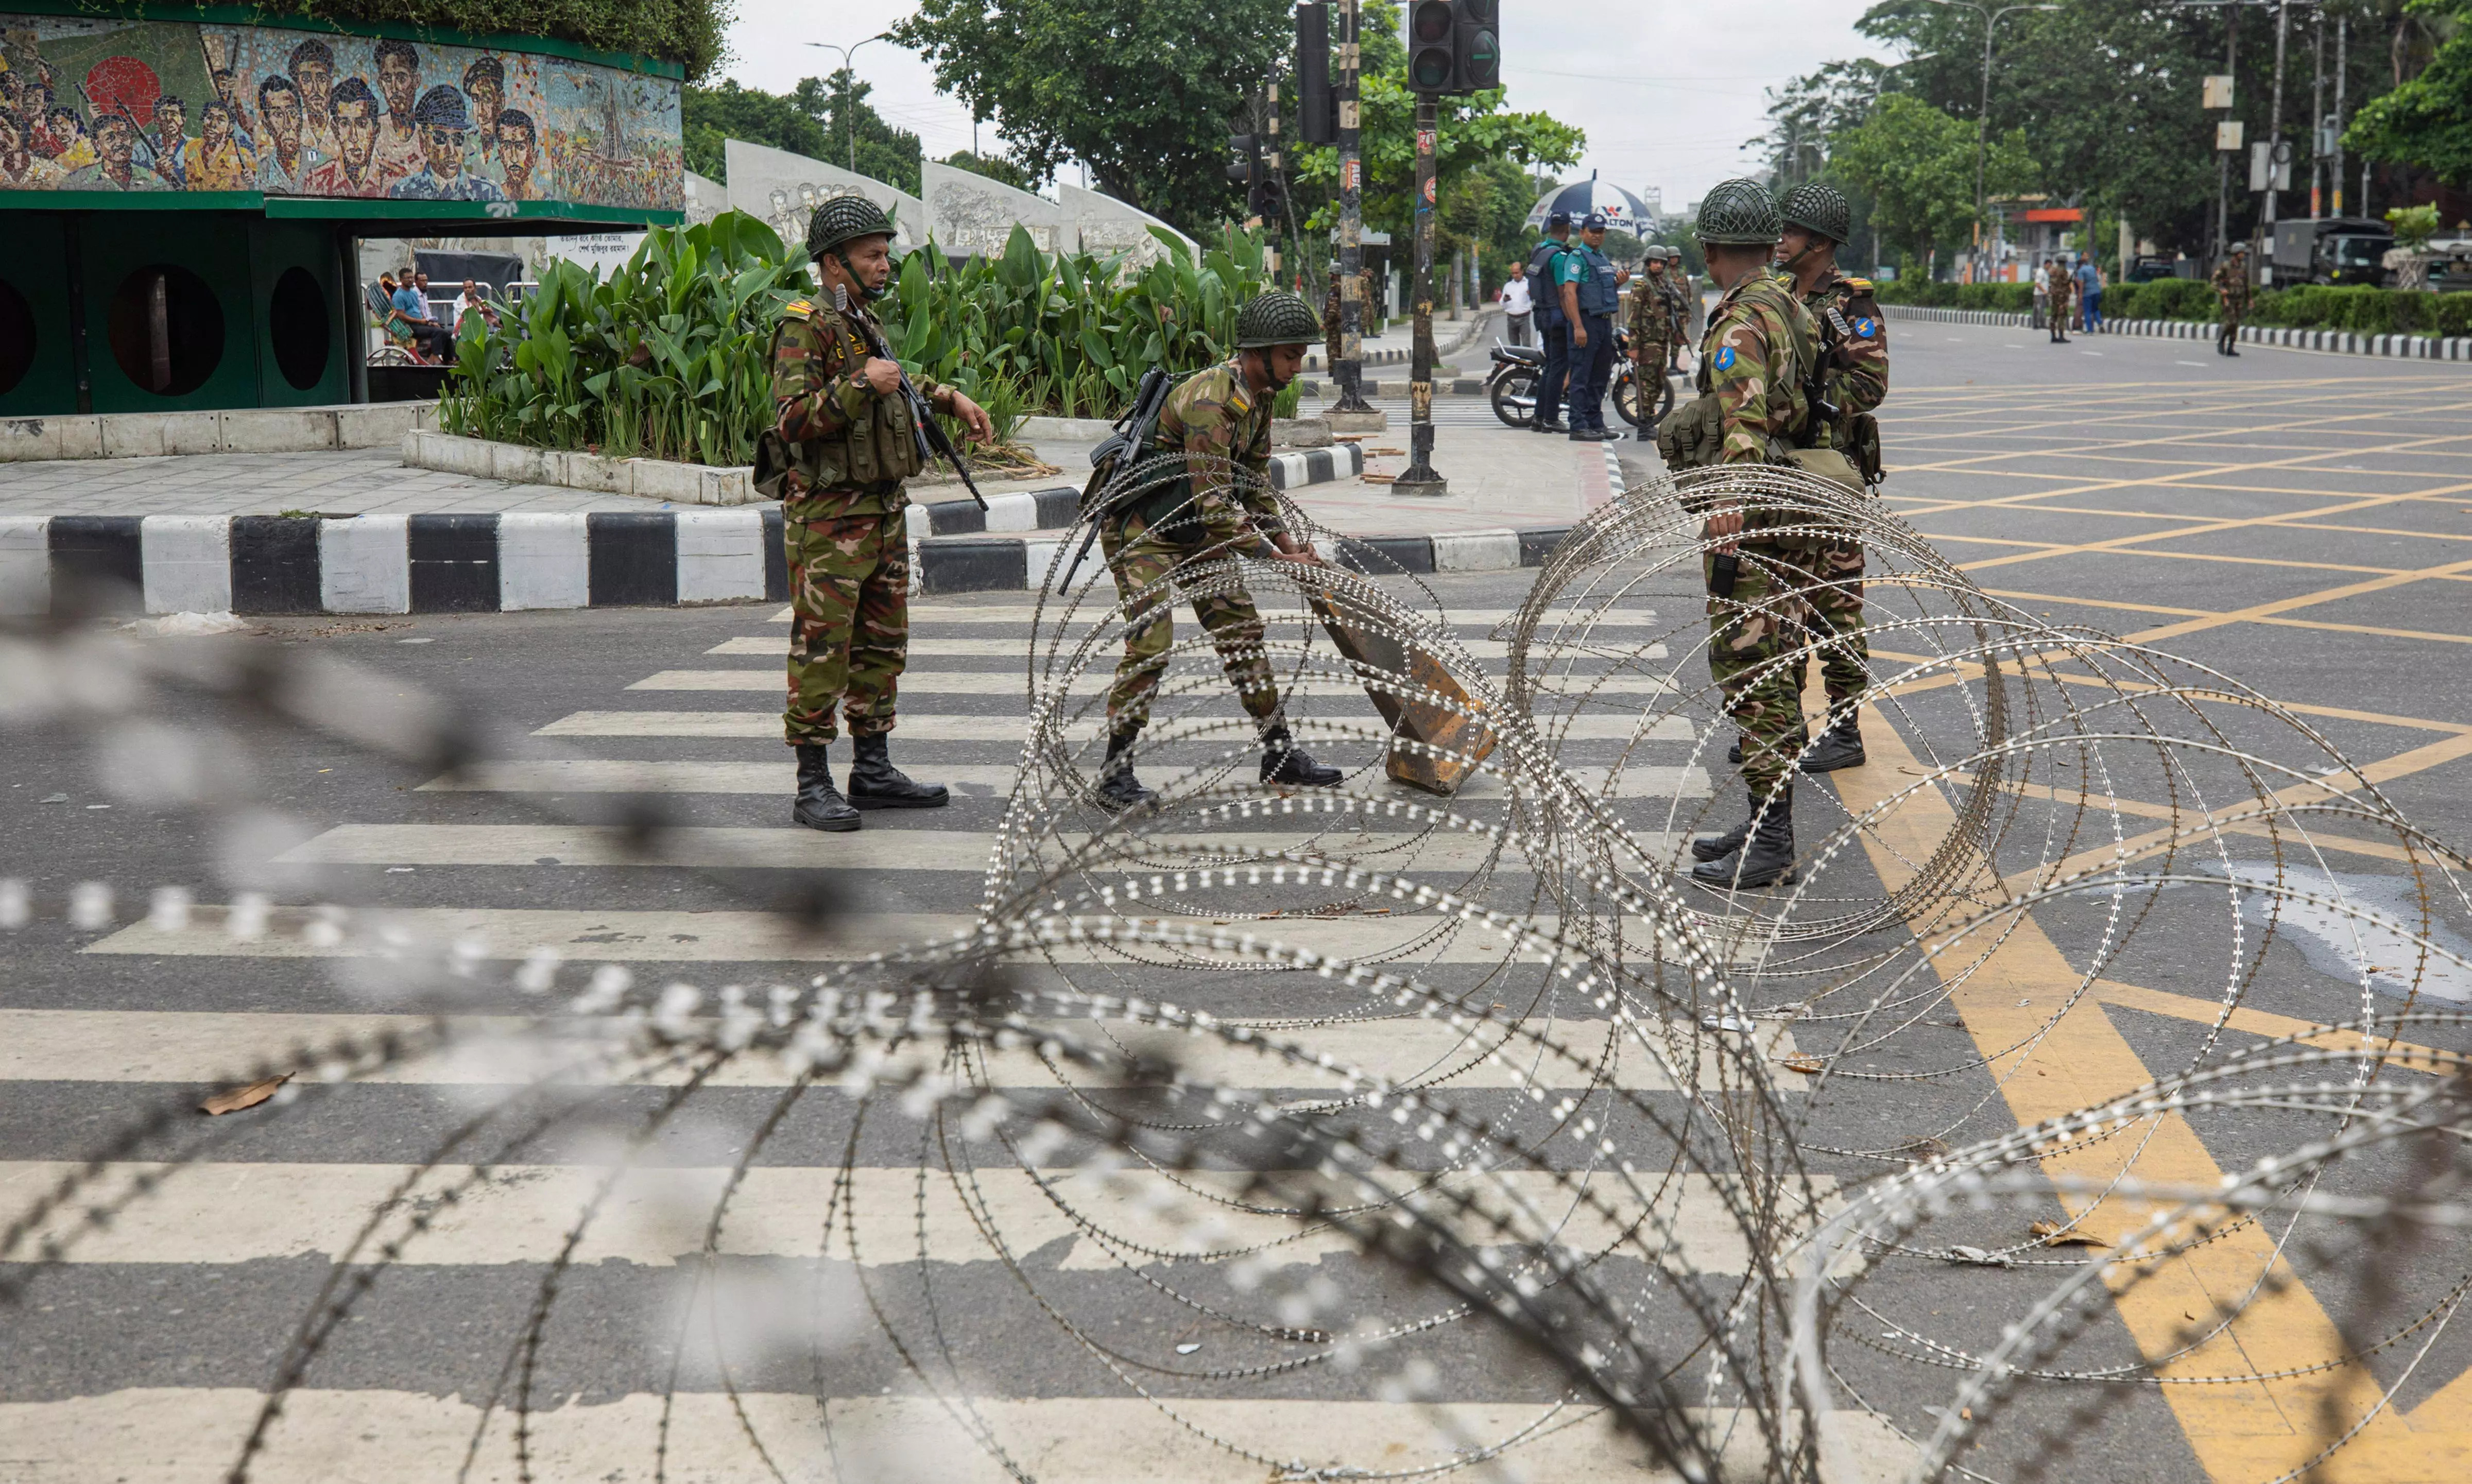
[(486, 879)]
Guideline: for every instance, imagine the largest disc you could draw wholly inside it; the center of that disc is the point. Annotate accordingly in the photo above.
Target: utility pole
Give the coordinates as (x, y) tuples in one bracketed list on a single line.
[(1420, 478), (1991, 20), (1277, 184), (2318, 124), (1352, 414), (2343, 27), (2276, 157), (2222, 157)]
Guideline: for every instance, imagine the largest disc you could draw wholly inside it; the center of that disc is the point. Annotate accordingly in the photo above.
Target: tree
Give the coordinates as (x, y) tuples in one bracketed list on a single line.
[(1916, 163), (815, 119), (1482, 155), (2426, 121), (994, 167), (1140, 91)]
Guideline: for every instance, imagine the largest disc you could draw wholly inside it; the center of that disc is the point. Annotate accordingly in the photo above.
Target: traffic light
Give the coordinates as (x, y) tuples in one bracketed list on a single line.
[(1479, 45), (1316, 104), (1244, 161), (1453, 46)]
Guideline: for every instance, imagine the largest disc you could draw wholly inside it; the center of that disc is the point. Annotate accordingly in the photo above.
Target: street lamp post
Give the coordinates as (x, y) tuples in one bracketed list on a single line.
[(1991, 20), (850, 113)]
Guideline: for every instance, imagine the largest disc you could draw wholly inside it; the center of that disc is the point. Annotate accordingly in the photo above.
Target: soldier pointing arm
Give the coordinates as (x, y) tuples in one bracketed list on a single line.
[(839, 450)]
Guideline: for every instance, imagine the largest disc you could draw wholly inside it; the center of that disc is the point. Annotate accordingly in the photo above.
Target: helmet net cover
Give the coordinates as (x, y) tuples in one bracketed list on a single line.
[(1822, 209), (843, 218), (1738, 212), (1276, 318)]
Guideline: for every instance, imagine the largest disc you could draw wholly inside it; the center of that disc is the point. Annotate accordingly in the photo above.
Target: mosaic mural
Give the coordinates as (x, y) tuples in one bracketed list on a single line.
[(104, 104)]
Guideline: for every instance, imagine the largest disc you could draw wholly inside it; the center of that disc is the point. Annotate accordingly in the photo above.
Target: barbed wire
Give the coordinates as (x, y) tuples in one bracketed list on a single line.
[(1444, 1083)]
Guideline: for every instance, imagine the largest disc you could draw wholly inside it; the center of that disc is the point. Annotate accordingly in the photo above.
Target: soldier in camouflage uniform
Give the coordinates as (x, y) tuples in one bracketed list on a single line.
[(1331, 326), (1755, 360), (836, 457), (1219, 421), (2057, 287), (1655, 326), (2232, 296), (1854, 364)]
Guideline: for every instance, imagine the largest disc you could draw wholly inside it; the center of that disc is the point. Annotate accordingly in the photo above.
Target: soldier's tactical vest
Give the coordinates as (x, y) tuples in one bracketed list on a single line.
[(874, 451)]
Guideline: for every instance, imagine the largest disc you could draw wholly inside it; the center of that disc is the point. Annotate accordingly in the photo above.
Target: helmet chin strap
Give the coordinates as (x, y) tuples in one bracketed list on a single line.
[(871, 295)]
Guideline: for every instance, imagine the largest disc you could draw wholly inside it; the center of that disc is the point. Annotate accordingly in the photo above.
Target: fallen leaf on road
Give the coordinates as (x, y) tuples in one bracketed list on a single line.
[(240, 1098), (1380, 479), (1810, 1066), (2051, 1234)]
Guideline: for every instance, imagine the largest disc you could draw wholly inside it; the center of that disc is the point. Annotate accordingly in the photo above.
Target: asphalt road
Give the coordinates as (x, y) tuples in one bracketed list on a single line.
[(2294, 522)]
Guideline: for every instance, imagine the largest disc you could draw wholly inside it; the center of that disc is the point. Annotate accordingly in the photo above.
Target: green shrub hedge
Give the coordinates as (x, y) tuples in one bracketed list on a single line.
[(2359, 309)]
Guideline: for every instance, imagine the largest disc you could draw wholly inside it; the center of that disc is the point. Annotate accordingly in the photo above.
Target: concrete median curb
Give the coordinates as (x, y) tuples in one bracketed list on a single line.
[(268, 430), (2341, 343)]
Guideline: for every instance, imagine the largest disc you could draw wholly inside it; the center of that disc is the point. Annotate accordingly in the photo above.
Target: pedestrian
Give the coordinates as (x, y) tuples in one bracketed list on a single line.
[(2089, 296), (474, 303), (1219, 420), (1518, 303), (1552, 331), (412, 314), (2056, 298), (840, 446), (2232, 295), (1854, 380), (1655, 326), (1754, 361), (1590, 288)]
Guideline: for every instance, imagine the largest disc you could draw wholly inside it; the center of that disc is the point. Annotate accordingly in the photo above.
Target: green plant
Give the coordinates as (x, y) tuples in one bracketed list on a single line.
[(2413, 225)]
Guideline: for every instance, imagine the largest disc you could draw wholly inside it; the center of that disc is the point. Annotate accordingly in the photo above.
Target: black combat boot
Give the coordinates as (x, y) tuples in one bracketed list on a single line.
[(1716, 847), (1839, 746), (876, 784), (1118, 789), (1283, 762), (1766, 857), (1734, 753), (1551, 425), (819, 805)]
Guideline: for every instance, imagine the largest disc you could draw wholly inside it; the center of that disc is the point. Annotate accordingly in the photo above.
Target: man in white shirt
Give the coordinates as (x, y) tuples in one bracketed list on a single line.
[(1518, 305)]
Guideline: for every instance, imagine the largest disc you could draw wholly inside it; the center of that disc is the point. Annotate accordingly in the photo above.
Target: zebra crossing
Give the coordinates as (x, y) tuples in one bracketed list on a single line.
[(465, 872)]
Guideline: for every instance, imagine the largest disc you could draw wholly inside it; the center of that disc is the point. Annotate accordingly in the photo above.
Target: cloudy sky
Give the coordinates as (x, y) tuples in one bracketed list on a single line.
[(1666, 92)]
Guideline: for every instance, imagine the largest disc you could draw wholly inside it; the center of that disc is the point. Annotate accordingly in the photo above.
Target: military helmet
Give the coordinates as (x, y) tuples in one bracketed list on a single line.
[(1822, 209), (842, 218), (1276, 318), (1738, 212)]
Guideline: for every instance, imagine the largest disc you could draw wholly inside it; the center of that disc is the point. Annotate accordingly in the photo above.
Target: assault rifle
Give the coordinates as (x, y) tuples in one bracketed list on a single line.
[(926, 433), (1120, 452)]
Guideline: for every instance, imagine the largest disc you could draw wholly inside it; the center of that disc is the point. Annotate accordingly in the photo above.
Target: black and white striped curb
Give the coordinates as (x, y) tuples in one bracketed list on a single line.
[(482, 563), (1011, 564), (2406, 347)]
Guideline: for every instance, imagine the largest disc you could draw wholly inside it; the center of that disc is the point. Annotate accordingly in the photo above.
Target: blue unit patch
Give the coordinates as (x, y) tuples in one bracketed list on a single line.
[(1724, 359), (1864, 326)]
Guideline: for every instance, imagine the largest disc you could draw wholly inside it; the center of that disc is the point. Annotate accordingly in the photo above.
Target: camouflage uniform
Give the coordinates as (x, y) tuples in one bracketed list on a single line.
[(844, 527), (2057, 287), (2232, 292), (1331, 324), (1654, 326), (1752, 362), (1223, 430), (1847, 318)]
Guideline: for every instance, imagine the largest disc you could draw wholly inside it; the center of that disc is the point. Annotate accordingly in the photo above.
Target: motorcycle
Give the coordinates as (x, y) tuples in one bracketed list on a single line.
[(1511, 384)]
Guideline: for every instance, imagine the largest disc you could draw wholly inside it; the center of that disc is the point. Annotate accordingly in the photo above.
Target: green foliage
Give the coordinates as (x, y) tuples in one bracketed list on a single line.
[(1002, 168), (2413, 225), (688, 32), (1066, 334), (2009, 298), (2427, 122), (665, 359), (1139, 90), (815, 119), (1916, 164), (2161, 298)]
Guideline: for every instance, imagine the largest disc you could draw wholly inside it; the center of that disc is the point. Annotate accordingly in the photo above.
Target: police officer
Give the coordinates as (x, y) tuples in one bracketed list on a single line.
[(1854, 362), (1219, 421), (1758, 352), (1590, 289), (835, 455), (1553, 328)]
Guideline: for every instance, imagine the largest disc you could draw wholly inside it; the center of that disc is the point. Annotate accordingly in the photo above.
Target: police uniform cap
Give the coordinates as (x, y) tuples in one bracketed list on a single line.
[(1276, 318), (842, 218), (1596, 222), (1738, 212), (1558, 218), (440, 108)]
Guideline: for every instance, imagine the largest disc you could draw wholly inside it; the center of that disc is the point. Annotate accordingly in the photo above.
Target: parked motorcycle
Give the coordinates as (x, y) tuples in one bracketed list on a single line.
[(1511, 383)]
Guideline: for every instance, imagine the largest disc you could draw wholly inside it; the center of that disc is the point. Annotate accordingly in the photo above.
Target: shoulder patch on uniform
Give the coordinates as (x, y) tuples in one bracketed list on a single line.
[(1867, 326), (801, 308), (1859, 285), (1724, 359)]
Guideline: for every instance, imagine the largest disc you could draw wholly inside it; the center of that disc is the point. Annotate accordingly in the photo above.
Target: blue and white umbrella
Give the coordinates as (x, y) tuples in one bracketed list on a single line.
[(1623, 210)]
